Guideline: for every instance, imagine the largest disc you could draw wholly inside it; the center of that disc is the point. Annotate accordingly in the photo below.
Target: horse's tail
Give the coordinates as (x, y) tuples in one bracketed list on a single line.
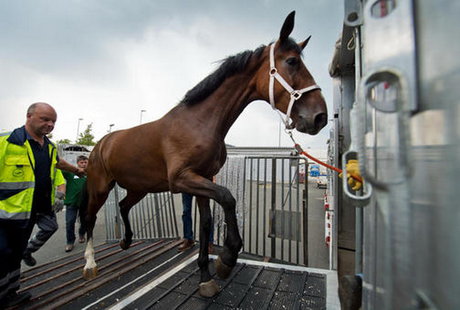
[(83, 207)]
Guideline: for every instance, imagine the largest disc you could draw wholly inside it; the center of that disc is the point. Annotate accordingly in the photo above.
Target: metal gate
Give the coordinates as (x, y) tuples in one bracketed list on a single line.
[(270, 193)]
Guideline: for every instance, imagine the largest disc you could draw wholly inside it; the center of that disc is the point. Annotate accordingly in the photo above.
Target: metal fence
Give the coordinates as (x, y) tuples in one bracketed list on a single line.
[(153, 217), (270, 195)]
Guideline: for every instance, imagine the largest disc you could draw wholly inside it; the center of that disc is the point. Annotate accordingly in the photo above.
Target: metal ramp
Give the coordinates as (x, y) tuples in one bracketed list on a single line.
[(153, 275)]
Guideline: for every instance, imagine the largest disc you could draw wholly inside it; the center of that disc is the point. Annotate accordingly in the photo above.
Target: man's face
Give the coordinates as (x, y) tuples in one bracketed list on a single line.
[(42, 120), (82, 163)]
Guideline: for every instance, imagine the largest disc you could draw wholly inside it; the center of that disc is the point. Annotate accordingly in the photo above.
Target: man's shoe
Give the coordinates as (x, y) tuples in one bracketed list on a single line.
[(185, 245), (81, 239), (69, 247), (13, 298), (28, 259)]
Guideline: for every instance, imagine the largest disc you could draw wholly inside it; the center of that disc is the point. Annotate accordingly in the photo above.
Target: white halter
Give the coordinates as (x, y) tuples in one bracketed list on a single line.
[(295, 94)]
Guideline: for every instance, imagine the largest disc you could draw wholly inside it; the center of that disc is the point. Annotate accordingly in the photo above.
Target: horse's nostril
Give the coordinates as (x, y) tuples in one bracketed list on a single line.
[(320, 120)]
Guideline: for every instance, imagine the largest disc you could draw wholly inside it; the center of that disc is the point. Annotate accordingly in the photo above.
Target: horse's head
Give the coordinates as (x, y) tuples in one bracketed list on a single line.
[(288, 84)]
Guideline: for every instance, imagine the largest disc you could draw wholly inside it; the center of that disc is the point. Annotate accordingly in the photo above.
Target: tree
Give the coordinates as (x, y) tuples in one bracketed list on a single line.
[(86, 137), (63, 141)]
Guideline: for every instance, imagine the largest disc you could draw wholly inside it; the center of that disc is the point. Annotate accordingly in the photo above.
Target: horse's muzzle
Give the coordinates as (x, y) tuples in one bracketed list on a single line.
[(311, 125)]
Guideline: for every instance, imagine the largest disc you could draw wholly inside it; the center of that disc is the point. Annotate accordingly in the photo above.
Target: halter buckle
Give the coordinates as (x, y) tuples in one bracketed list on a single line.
[(273, 71), (295, 94)]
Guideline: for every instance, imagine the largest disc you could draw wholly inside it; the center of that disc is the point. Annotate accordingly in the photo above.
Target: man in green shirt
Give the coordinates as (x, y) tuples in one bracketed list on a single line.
[(74, 188)]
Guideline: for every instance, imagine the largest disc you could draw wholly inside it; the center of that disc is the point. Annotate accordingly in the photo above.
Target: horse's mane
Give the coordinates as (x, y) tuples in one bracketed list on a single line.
[(229, 67)]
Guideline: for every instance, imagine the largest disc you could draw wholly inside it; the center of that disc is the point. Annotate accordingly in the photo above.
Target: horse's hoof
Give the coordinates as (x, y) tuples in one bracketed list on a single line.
[(222, 270), (124, 244), (209, 289), (90, 273)]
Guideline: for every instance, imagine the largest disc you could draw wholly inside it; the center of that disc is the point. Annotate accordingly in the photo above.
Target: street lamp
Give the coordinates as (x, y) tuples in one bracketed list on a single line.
[(110, 127), (78, 128), (142, 111)]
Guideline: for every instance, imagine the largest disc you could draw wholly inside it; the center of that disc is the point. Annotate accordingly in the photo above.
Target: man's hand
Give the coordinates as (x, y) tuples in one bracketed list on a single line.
[(80, 172), (59, 202)]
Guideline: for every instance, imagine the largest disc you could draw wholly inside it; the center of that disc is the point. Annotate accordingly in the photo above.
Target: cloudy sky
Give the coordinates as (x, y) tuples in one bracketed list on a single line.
[(106, 60)]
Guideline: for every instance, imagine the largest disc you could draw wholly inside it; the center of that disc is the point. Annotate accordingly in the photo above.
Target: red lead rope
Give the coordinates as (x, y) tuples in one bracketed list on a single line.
[(301, 151)]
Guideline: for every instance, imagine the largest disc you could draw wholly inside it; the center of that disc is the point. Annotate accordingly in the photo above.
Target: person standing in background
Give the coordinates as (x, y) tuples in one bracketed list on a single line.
[(72, 202), (188, 241)]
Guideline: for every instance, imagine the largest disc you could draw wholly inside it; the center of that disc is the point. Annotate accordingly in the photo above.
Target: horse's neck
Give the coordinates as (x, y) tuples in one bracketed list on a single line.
[(225, 104)]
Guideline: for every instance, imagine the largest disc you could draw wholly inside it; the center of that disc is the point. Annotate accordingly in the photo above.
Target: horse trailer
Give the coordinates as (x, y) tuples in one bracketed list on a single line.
[(396, 110)]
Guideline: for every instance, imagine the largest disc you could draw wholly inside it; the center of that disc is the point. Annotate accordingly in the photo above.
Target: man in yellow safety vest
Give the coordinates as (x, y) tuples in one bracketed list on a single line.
[(28, 172)]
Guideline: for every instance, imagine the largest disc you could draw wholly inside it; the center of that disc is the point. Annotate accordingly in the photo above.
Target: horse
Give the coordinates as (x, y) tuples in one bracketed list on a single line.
[(183, 150)]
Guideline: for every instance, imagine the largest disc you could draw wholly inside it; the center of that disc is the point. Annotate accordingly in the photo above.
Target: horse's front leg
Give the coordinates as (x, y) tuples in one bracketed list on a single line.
[(233, 243), (208, 287), (190, 182)]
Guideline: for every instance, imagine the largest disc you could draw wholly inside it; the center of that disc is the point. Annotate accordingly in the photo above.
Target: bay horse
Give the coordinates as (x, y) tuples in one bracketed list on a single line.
[(183, 150)]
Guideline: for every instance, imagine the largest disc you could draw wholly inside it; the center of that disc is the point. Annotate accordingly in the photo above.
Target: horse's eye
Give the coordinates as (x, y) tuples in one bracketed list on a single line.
[(292, 61)]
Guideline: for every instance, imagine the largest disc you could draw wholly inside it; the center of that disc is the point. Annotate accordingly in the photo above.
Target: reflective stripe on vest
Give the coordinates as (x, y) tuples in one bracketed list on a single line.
[(16, 185), (14, 216)]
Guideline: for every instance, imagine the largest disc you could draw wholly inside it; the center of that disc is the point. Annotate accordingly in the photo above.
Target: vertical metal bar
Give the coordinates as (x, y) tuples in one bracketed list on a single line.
[(106, 214), (273, 208), (257, 209), (162, 216), (265, 223), (150, 215), (154, 216), (359, 240), (144, 218), (166, 213), (250, 205), (169, 214), (282, 208), (305, 217), (212, 205), (157, 215), (299, 190), (244, 198), (135, 220), (290, 212)]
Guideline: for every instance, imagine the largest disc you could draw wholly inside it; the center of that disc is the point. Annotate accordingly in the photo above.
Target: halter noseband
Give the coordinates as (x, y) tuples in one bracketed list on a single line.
[(295, 94)]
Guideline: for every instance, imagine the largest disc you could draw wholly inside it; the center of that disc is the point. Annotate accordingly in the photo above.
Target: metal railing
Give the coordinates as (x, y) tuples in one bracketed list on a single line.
[(153, 217)]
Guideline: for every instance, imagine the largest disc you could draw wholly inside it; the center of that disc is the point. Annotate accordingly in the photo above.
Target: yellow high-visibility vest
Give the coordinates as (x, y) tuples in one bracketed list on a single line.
[(17, 179)]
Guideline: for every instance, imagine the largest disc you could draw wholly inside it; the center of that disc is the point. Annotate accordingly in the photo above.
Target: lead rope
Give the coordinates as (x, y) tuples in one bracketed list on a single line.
[(301, 151)]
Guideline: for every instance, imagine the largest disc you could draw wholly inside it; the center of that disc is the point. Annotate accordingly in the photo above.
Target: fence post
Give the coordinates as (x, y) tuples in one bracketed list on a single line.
[(273, 207), (305, 216)]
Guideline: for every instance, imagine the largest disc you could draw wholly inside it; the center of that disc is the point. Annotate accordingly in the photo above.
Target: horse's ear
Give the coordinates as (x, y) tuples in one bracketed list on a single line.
[(287, 27), (304, 43)]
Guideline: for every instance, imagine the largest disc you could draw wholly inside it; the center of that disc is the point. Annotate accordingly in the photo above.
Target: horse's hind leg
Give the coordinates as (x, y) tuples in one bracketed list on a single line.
[(125, 205), (208, 287)]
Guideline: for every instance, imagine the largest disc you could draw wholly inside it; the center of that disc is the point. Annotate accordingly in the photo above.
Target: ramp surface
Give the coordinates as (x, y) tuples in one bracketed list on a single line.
[(153, 275)]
